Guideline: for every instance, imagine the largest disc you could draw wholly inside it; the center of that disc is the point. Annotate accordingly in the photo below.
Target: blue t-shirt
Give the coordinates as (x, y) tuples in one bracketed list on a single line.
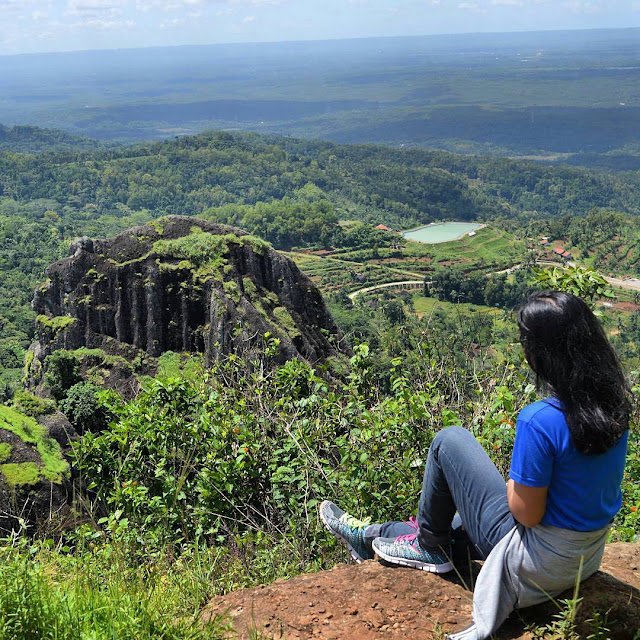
[(584, 491)]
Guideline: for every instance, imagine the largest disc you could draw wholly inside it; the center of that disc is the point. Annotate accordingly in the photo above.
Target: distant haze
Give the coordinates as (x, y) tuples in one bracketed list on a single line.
[(540, 94), (28, 26)]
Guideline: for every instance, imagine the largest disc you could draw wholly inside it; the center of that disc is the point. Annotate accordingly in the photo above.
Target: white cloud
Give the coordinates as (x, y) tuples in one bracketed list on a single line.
[(473, 7), (248, 19), (583, 6), (507, 3), (260, 3), (98, 9), (39, 15), (224, 12), (174, 22), (102, 25), (11, 7), (167, 6)]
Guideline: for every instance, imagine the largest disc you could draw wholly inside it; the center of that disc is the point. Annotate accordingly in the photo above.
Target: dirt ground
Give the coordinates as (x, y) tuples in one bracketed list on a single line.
[(370, 602)]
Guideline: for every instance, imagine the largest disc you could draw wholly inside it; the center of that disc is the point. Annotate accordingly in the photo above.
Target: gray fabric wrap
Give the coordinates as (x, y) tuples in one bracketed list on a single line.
[(527, 567)]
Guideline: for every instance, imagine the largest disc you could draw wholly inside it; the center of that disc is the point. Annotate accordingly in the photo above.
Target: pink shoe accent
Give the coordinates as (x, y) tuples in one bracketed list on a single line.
[(408, 538)]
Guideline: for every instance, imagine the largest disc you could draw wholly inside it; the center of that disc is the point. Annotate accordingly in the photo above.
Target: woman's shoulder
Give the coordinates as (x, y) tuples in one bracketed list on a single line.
[(547, 410)]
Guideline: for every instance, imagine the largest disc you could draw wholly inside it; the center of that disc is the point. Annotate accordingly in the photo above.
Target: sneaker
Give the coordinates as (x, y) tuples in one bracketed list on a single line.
[(347, 529), (406, 551)]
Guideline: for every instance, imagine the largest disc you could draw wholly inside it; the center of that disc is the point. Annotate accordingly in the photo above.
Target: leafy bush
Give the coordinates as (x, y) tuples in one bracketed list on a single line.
[(63, 371), (238, 451), (83, 409), (31, 405)]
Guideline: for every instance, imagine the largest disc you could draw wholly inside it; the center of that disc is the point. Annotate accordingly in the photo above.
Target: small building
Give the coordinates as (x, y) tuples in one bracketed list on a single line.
[(471, 234), (383, 227)]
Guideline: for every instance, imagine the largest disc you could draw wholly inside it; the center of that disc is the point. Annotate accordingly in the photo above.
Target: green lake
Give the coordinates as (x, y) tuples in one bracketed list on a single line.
[(441, 232)]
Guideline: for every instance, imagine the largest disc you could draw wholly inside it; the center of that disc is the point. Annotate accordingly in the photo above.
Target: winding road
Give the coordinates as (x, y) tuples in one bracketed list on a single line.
[(630, 283)]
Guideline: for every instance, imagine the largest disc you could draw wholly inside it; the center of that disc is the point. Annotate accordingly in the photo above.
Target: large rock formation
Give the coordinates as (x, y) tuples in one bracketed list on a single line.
[(183, 285)]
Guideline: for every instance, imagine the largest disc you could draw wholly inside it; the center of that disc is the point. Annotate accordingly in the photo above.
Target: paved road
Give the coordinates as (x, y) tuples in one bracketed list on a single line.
[(631, 283), (387, 285)]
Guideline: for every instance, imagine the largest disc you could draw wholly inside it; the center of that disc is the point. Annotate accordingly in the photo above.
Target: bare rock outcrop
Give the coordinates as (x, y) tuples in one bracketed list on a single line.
[(184, 285), (371, 601)]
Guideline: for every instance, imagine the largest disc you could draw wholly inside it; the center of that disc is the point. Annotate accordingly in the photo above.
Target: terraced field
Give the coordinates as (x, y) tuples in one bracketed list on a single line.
[(349, 269), (332, 275)]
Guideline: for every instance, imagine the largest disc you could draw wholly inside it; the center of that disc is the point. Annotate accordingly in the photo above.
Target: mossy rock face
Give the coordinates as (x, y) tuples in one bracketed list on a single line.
[(182, 285), (35, 474)]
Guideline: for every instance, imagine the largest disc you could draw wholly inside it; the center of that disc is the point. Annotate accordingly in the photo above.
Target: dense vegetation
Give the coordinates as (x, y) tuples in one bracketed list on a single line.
[(207, 482), (291, 192), (30, 139)]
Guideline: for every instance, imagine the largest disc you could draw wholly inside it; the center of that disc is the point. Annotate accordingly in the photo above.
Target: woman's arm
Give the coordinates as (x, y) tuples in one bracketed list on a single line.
[(527, 504)]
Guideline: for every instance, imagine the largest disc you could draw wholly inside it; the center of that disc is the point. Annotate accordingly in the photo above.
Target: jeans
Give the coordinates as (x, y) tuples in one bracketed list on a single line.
[(458, 477)]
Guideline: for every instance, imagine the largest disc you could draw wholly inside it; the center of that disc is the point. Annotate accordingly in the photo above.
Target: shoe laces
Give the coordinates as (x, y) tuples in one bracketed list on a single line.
[(351, 521), (408, 538)]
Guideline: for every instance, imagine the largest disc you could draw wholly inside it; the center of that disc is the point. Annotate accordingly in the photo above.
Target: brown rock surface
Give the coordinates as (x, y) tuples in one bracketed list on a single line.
[(370, 601)]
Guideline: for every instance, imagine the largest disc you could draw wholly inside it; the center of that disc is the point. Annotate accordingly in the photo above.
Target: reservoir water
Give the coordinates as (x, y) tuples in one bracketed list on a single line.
[(441, 232)]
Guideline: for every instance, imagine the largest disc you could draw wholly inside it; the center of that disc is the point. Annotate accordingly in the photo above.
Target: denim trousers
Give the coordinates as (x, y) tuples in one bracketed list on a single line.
[(463, 499)]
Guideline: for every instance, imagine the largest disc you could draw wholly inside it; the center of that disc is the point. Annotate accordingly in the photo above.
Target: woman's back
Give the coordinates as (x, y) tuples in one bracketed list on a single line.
[(583, 490)]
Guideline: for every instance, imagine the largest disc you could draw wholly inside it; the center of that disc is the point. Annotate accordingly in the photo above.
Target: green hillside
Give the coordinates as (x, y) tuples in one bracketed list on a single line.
[(290, 192)]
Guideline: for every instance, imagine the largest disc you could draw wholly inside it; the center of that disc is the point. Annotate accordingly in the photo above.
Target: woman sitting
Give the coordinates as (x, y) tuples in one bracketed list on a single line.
[(548, 526)]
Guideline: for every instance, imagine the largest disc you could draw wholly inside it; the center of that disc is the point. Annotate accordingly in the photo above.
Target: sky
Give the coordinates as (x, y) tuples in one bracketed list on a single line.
[(29, 26)]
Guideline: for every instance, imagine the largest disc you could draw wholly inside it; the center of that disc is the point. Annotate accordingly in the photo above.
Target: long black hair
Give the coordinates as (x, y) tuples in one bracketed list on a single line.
[(566, 347)]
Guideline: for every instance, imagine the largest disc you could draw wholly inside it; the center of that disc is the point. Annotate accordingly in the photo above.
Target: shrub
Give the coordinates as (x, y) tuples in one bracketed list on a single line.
[(31, 405), (83, 409), (63, 371)]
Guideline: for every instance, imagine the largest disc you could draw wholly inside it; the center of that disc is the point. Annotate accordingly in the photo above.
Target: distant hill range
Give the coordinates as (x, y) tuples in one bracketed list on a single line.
[(30, 139), (564, 95)]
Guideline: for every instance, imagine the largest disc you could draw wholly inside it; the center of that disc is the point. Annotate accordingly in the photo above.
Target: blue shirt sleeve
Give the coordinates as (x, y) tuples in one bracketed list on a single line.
[(532, 461)]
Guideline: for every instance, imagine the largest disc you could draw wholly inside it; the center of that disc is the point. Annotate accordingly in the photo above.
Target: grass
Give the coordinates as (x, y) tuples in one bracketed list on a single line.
[(54, 466), (169, 365), (426, 306), (103, 589), (49, 595), (489, 249)]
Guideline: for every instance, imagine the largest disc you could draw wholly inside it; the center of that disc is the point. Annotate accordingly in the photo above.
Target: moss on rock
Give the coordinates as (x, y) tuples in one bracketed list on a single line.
[(54, 467), (18, 474), (5, 451), (55, 323), (286, 321)]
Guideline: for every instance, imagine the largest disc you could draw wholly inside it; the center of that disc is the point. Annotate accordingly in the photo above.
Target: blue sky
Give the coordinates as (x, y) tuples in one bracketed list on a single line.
[(28, 26)]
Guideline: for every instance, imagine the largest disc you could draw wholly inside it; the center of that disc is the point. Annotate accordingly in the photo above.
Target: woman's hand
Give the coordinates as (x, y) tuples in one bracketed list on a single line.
[(527, 504)]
